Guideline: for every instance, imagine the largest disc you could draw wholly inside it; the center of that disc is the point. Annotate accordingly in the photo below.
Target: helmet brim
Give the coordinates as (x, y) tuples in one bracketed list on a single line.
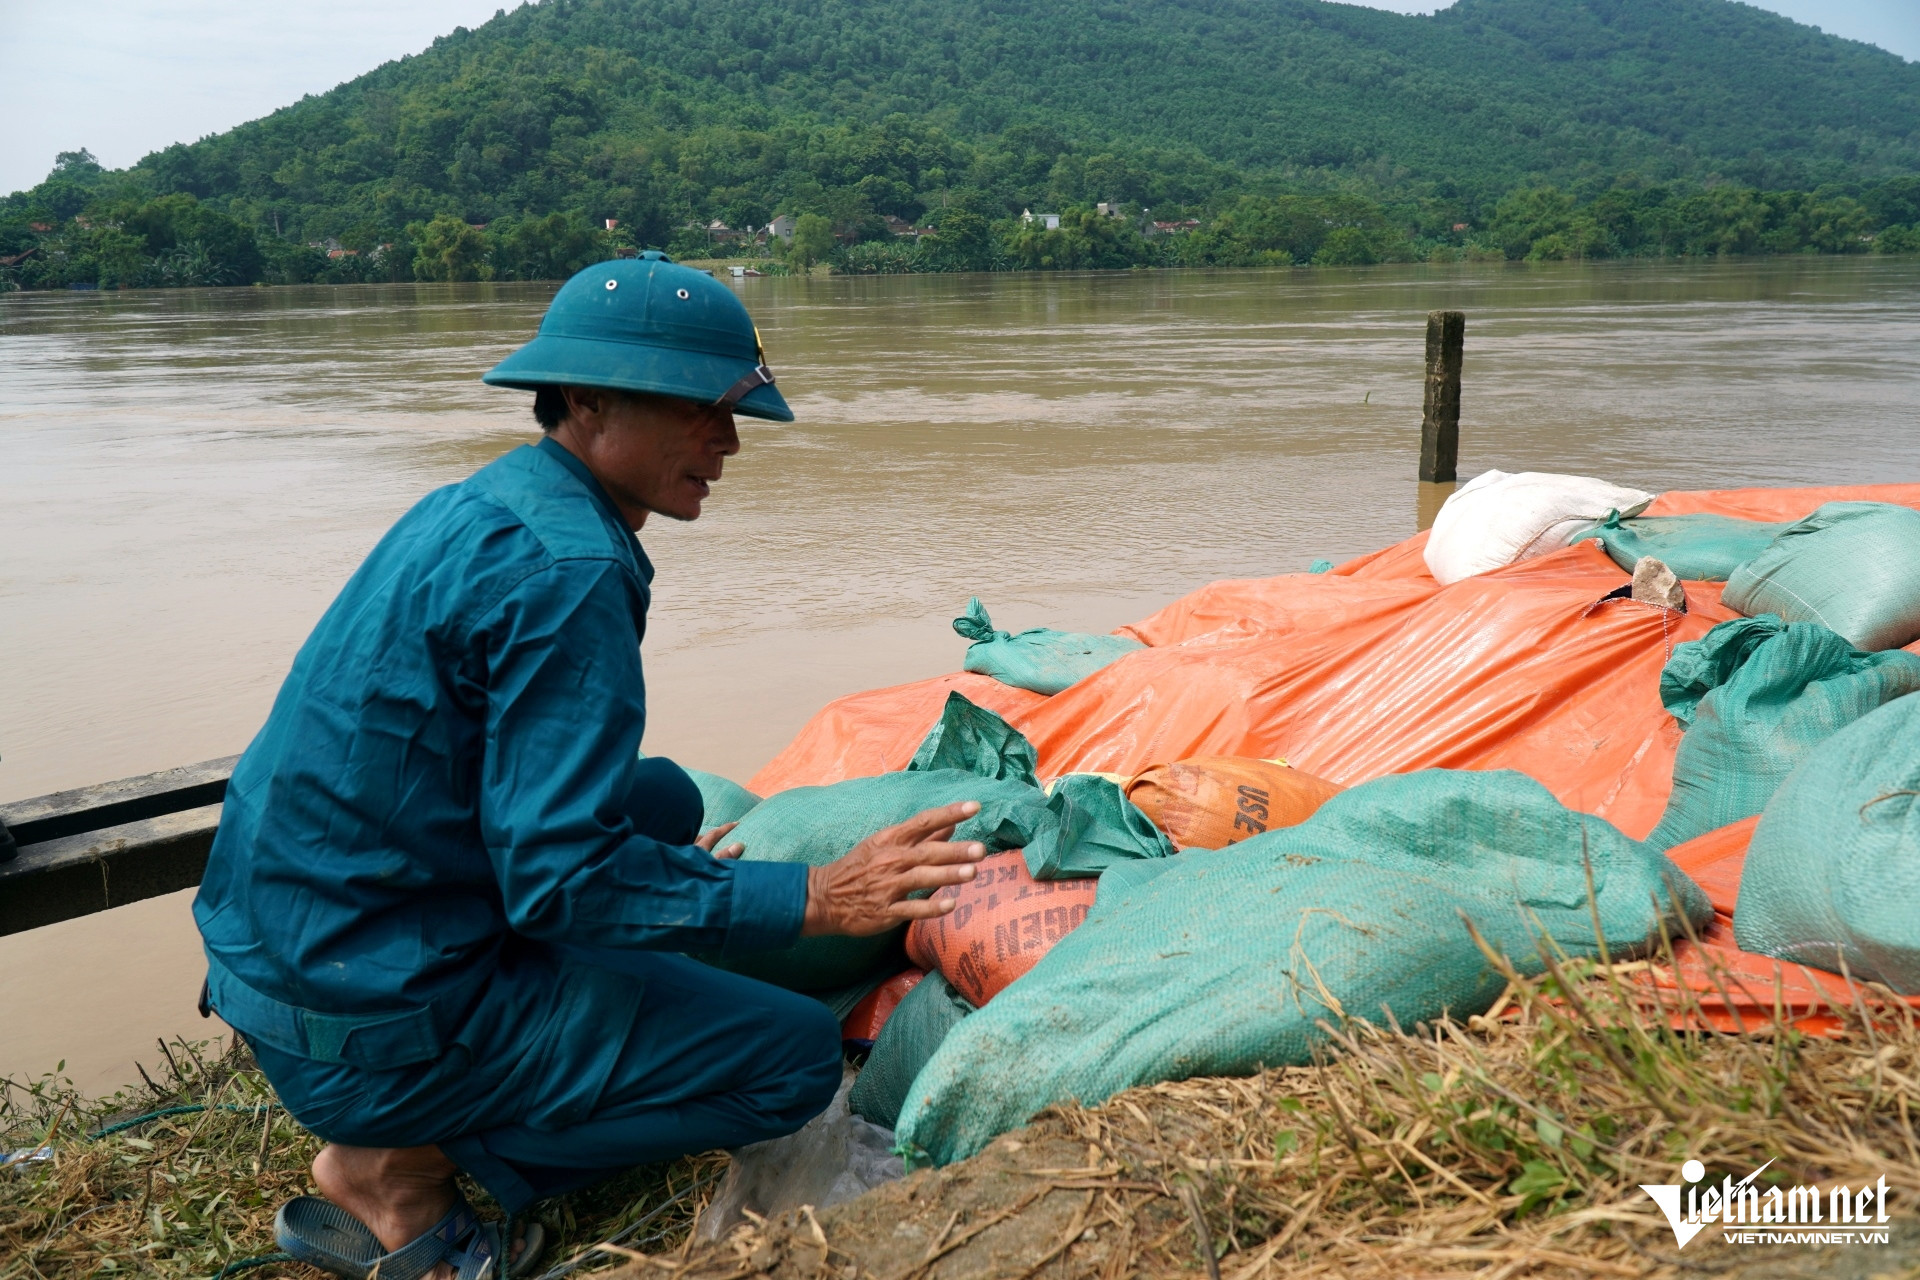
[(554, 361)]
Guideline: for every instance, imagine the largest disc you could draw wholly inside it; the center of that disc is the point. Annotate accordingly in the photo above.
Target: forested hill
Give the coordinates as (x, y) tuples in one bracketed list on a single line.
[(658, 112)]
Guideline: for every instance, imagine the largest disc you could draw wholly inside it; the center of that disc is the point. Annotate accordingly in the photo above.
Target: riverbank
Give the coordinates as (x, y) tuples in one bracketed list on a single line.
[(1512, 1145)]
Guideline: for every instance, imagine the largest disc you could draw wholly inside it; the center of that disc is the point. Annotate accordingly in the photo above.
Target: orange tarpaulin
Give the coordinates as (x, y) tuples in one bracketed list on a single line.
[(1737, 990), (1369, 670)]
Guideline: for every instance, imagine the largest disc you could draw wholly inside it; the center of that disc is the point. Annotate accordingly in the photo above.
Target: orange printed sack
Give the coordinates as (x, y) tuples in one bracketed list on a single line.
[(862, 1026), (1004, 922), (1210, 802)]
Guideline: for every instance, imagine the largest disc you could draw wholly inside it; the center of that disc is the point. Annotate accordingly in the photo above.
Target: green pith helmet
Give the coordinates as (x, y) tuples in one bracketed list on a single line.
[(647, 324)]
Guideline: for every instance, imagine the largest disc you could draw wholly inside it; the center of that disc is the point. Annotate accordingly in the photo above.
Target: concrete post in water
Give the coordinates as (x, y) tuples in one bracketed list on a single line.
[(1440, 414)]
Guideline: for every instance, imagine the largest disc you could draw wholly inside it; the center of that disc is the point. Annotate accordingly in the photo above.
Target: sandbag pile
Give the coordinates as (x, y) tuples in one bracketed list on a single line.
[(1408, 692), (1079, 829), (1223, 962)]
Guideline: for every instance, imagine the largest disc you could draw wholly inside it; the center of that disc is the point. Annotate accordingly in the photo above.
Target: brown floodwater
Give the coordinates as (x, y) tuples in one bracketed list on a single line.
[(187, 477)]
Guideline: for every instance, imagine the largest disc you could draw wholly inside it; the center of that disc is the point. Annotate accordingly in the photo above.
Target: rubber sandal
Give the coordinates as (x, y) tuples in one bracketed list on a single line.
[(323, 1235), (533, 1243)]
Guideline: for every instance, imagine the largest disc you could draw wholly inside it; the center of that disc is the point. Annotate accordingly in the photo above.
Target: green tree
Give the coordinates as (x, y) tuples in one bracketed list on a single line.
[(549, 248), (812, 240), (118, 258), (448, 249), (1085, 240), (962, 242)]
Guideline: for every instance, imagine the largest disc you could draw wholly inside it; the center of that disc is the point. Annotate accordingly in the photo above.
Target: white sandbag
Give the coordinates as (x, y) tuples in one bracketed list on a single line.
[(1498, 519)]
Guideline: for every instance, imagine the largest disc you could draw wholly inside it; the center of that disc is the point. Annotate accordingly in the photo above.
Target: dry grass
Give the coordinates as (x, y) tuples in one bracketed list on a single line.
[(1508, 1146), (185, 1195)]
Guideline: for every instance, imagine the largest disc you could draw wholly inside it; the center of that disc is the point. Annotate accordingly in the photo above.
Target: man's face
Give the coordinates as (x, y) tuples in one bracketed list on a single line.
[(650, 453)]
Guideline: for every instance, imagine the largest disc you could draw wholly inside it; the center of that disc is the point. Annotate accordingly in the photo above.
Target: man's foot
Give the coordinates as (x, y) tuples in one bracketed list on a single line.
[(401, 1193)]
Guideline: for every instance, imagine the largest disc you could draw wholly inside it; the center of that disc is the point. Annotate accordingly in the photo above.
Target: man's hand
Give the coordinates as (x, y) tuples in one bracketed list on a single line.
[(866, 892), (715, 836)]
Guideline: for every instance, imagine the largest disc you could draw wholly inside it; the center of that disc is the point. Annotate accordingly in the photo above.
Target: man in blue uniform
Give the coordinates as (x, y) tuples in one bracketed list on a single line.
[(447, 898)]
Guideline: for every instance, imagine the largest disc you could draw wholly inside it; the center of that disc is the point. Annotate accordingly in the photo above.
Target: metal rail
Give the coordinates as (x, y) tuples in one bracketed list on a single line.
[(104, 846)]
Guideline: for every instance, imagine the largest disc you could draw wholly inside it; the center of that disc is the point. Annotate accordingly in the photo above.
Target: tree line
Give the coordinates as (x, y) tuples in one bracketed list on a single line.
[(86, 227)]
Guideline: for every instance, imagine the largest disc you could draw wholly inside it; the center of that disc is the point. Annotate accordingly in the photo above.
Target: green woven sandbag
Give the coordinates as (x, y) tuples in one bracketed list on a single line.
[(1699, 548), (1102, 829), (974, 739), (1757, 695), (1222, 962), (813, 826), (1099, 826), (726, 800), (907, 1040), (1043, 660), (1832, 878), (1853, 567)]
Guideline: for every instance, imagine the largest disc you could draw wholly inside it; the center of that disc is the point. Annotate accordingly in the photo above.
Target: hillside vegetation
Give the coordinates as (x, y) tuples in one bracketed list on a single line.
[(662, 113)]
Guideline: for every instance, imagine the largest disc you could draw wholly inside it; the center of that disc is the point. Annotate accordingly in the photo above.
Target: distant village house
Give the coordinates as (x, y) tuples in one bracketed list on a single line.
[(1051, 221)]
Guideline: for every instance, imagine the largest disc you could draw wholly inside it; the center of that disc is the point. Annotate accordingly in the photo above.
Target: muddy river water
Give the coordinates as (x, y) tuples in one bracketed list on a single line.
[(186, 478)]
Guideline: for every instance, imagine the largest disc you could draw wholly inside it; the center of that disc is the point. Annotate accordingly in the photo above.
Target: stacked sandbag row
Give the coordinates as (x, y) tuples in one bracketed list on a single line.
[(1852, 567), (969, 754), (1225, 962), (1368, 669), (1021, 904)]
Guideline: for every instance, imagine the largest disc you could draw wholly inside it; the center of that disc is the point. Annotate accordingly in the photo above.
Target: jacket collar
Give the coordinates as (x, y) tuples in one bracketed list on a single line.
[(558, 452), (554, 451)]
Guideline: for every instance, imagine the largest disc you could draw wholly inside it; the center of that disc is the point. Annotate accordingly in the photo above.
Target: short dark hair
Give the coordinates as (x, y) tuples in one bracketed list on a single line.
[(549, 407)]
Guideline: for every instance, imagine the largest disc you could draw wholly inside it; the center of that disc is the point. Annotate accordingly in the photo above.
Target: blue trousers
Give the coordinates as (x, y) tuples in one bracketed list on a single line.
[(578, 1063)]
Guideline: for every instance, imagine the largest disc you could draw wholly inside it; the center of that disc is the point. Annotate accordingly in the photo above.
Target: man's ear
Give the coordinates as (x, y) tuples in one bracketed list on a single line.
[(584, 402)]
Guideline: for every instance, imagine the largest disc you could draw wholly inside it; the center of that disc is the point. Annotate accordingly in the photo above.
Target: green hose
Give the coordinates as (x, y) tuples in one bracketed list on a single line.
[(172, 1111)]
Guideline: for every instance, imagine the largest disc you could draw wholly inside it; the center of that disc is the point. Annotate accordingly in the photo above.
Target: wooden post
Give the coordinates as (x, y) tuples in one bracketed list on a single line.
[(1440, 414)]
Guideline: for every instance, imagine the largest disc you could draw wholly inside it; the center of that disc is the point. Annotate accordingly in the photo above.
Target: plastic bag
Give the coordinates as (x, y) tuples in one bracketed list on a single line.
[(1852, 567), (1832, 878), (834, 1157), (1002, 922), (1497, 519), (1756, 695), (1043, 660), (1210, 802), (1698, 548)]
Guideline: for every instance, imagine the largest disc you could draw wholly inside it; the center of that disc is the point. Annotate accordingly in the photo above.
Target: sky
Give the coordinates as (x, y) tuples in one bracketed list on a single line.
[(126, 77)]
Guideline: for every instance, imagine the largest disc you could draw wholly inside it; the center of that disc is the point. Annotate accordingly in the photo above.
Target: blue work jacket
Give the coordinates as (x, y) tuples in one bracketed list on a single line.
[(446, 780)]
